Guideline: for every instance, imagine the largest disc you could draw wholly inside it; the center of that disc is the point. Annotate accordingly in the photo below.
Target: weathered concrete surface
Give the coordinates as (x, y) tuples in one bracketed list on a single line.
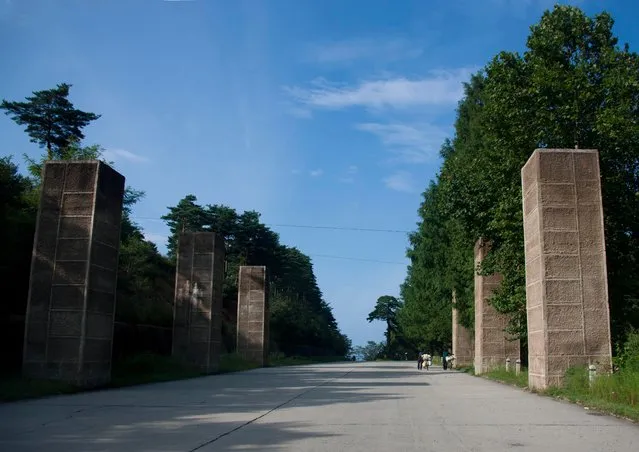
[(71, 305), (252, 314), (566, 281), (463, 342), (197, 310), (339, 407), (492, 344)]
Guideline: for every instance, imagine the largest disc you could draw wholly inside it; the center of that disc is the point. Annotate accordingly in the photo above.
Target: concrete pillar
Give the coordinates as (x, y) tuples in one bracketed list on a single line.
[(492, 344), (566, 282), (252, 314), (71, 304), (463, 341), (197, 311)]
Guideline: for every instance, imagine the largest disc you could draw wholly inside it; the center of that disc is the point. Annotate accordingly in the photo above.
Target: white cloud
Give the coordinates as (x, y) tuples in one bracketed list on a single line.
[(122, 154), (402, 181), (349, 178), (439, 88), (316, 173), (351, 50), (411, 143), (302, 113), (159, 239)]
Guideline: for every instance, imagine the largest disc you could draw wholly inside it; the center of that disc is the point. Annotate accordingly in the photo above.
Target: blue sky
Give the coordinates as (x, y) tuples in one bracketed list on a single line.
[(325, 113)]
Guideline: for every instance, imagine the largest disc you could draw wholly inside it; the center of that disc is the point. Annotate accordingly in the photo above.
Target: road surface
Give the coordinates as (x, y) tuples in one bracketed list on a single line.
[(335, 407)]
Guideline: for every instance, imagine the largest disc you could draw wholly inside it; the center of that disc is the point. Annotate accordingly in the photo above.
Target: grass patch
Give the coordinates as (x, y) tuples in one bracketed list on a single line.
[(502, 375), (616, 393), (470, 370), (235, 363), (150, 368), (15, 387)]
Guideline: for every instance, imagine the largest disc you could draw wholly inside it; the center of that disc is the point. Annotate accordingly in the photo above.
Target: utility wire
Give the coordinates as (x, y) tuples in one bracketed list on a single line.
[(358, 259), (281, 225), (325, 256)]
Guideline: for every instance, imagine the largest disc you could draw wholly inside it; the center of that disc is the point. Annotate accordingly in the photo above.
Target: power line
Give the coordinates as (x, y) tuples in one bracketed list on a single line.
[(326, 256), (338, 228), (304, 226), (358, 259)]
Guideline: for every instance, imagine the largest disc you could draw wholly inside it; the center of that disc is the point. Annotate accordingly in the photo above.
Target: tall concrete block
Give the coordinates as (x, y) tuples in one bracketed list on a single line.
[(71, 305), (463, 341), (492, 344), (252, 314), (197, 311), (566, 283)]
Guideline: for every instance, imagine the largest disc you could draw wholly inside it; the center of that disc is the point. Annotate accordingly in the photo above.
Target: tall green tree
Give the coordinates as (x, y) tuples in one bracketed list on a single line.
[(302, 322), (369, 352), (573, 86), (386, 310), (51, 119)]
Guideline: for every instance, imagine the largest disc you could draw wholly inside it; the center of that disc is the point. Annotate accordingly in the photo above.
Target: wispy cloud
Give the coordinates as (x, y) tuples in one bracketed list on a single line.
[(441, 88), (122, 154), (349, 177), (298, 112), (401, 181), (352, 50), (316, 173), (158, 239), (410, 143)]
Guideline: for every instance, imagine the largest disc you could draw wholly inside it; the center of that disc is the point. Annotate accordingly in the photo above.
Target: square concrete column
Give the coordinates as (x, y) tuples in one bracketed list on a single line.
[(492, 344), (197, 311), (71, 305), (566, 279), (463, 341), (252, 314)]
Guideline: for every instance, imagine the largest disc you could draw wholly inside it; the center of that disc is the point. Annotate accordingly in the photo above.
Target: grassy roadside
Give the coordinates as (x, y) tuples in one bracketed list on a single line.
[(141, 369), (509, 377), (616, 394)]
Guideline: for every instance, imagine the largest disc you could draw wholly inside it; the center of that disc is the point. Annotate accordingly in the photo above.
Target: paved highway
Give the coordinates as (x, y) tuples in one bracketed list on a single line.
[(335, 407)]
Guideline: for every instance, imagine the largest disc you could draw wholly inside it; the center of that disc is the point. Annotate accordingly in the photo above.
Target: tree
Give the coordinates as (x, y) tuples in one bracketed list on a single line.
[(51, 119), (302, 322), (386, 311), (573, 86), (369, 352)]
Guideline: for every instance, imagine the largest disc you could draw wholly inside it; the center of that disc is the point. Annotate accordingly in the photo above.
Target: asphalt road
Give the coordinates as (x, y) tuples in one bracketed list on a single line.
[(337, 407)]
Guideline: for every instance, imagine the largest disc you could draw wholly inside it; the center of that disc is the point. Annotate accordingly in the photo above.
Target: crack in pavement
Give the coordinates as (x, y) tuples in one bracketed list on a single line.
[(222, 435)]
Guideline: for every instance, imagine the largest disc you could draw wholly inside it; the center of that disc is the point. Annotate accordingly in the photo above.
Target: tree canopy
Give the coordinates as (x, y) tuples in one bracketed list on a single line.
[(573, 86), (302, 321), (51, 119), (386, 310)]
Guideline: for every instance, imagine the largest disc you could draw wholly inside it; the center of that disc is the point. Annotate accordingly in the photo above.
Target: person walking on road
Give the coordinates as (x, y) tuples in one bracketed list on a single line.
[(444, 360), (419, 361)]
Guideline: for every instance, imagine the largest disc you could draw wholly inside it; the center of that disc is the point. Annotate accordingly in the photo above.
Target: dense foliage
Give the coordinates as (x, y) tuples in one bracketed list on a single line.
[(369, 352), (573, 86), (302, 321), (50, 118)]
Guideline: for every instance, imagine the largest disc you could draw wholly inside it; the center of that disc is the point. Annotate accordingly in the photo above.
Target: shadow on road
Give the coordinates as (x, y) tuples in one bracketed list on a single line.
[(183, 415)]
